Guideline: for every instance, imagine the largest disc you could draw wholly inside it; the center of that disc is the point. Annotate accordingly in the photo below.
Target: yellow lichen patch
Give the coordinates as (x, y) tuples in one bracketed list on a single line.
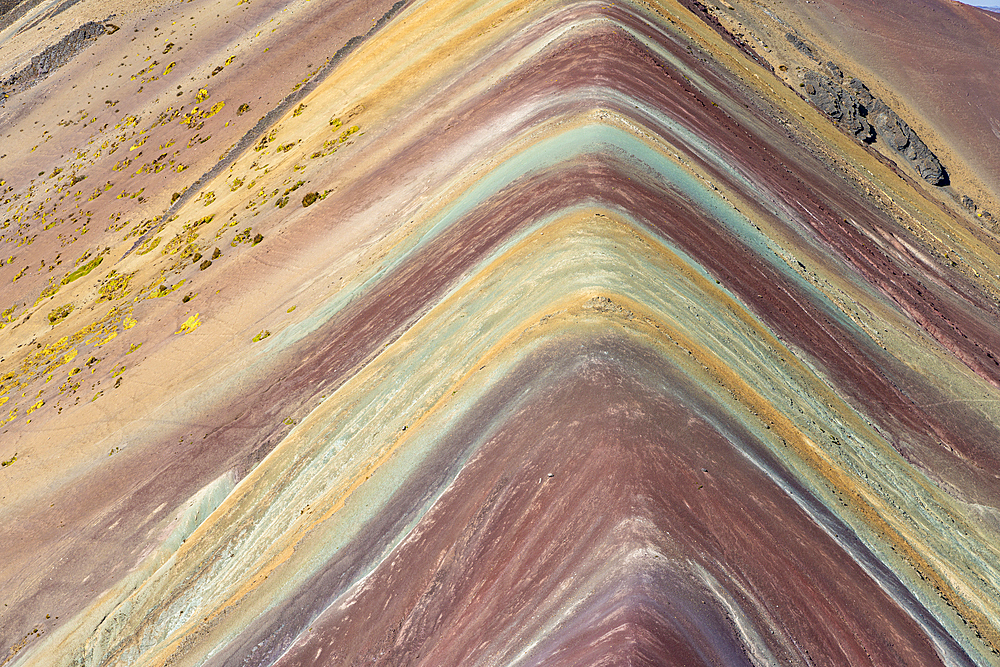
[(160, 291), (148, 245), (216, 108), (107, 339), (128, 323), (190, 324), (116, 287), (50, 290), (347, 133), (59, 314), (188, 233), (265, 140)]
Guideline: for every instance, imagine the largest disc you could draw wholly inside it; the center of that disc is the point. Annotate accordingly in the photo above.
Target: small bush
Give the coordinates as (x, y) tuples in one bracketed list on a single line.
[(310, 199)]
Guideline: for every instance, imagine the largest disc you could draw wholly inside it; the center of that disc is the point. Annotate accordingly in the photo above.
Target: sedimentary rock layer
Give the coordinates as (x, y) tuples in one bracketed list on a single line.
[(460, 332)]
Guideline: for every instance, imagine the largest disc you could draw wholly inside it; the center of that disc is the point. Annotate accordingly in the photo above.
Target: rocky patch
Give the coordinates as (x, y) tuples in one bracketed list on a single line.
[(799, 44), (853, 107), (54, 57)]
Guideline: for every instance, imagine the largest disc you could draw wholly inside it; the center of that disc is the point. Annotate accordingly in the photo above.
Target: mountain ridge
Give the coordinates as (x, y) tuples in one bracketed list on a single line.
[(497, 332)]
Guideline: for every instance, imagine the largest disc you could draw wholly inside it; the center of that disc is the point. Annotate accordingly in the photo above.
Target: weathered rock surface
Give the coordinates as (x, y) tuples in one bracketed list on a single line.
[(797, 42), (853, 107), (53, 57), (839, 103)]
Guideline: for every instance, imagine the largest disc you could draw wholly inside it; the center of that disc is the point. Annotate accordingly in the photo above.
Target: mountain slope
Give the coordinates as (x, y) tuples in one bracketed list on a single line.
[(491, 332)]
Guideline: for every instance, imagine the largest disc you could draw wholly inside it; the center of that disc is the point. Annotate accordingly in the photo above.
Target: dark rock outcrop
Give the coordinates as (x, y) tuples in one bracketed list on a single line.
[(54, 57), (840, 104), (853, 107), (797, 42), (895, 131)]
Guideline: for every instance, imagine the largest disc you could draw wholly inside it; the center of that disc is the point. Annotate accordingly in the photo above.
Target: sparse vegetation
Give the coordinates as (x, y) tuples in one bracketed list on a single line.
[(82, 271), (148, 245), (59, 314), (189, 325), (116, 286)]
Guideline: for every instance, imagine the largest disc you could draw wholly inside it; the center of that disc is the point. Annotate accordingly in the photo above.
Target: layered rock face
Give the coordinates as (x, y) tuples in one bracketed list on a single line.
[(487, 332)]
